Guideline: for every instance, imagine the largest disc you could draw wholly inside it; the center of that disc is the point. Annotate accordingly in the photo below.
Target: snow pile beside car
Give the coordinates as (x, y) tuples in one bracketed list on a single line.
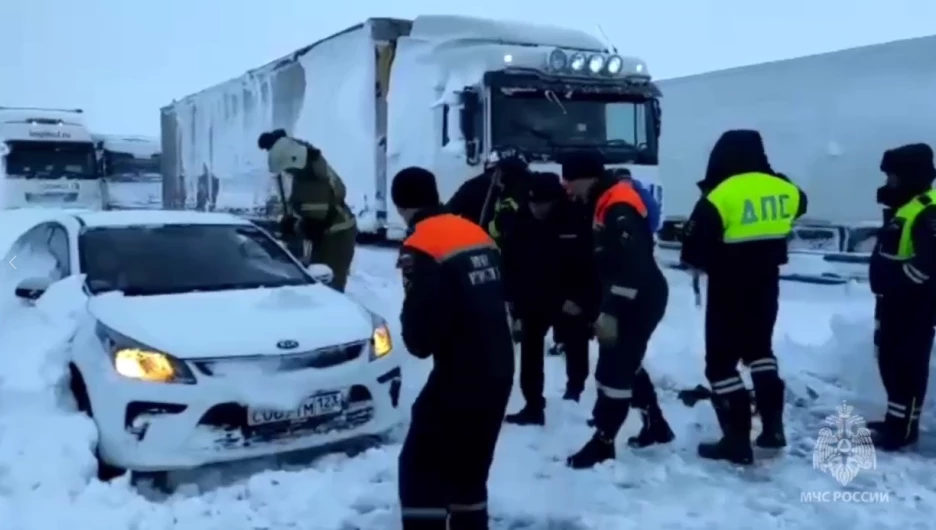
[(46, 446)]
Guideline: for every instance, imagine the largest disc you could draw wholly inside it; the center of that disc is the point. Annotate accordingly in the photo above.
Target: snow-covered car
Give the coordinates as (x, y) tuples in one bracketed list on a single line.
[(200, 339)]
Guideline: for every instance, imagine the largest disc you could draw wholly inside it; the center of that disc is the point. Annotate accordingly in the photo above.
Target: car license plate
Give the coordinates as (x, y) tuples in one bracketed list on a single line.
[(313, 407)]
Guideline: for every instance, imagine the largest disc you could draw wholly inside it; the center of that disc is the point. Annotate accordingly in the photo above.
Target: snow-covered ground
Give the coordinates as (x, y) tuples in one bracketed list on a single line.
[(823, 341)]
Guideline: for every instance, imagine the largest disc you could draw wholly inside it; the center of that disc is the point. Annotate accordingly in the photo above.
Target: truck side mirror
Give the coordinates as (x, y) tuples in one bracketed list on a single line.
[(469, 108), (657, 117)]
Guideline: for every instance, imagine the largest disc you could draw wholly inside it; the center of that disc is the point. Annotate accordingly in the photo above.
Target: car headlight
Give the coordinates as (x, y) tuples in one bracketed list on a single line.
[(136, 361), (381, 342)]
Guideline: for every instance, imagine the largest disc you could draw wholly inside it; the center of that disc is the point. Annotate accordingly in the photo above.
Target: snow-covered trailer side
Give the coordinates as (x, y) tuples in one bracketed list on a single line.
[(441, 92), (324, 92), (826, 120)]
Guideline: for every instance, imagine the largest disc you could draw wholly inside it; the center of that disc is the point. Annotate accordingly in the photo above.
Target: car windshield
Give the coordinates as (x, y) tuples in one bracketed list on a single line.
[(169, 259), (532, 122), (52, 160)]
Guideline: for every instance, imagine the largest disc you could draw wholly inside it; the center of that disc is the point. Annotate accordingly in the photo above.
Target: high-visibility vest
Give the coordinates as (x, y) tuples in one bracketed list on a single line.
[(755, 207)]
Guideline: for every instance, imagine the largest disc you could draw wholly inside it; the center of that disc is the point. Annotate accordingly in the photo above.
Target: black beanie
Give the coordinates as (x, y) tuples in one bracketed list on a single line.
[(414, 187), (266, 140), (577, 166)]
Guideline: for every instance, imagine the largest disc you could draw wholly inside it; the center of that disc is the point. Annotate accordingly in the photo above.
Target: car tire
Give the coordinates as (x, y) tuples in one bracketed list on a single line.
[(105, 471)]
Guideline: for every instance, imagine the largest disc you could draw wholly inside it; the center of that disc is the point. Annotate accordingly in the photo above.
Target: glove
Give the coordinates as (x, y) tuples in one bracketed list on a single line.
[(571, 308), (288, 225), (606, 329), (516, 330)]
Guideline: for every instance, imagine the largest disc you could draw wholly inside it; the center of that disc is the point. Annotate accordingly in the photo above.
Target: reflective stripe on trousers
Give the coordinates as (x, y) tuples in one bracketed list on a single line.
[(728, 385), (442, 513), (614, 393)]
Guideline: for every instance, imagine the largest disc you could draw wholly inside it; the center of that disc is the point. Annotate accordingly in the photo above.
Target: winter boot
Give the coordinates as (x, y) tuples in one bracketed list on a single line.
[(527, 416), (469, 520), (896, 434), (655, 429), (734, 416), (768, 391), (572, 394), (597, 450)]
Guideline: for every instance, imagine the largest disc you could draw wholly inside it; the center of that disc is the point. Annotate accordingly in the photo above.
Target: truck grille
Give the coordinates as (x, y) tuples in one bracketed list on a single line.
[(321, 358)]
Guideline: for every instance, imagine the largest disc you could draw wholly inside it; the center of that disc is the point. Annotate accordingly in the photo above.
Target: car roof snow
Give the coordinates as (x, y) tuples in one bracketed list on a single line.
[(114, 218)]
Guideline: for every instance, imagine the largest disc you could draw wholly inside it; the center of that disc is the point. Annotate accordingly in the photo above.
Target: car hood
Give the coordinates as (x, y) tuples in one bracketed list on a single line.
[(235, 323)]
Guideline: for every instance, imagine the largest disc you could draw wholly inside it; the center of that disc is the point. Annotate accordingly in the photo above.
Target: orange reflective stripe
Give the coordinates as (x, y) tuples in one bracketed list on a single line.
[(444, 235), (617, 194)]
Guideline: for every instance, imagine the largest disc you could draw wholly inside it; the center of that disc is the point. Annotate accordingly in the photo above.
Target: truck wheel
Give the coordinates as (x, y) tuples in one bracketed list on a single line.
[(105, 471)]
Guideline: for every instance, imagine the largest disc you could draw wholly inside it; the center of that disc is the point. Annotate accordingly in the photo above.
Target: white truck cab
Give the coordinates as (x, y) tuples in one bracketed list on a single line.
[(130, 166), (441, 92), (47, 159)]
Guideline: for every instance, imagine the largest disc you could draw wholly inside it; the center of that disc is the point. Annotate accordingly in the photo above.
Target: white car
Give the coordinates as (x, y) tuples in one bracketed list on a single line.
[(203, 340)]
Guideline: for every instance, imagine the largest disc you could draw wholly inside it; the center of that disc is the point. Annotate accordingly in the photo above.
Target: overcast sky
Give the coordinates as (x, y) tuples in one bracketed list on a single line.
[(121, 60)]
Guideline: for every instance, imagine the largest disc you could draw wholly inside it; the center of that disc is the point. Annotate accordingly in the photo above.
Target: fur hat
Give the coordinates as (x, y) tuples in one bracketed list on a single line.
[(287, 153)]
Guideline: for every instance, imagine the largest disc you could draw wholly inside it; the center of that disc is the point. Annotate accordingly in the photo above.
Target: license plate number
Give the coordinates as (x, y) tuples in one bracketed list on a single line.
[(313, 407)]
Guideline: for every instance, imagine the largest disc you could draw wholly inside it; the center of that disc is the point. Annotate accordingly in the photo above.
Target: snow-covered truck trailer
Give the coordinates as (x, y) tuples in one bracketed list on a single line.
[(132, 170), (47, 159), (826, 120), (441, 92)]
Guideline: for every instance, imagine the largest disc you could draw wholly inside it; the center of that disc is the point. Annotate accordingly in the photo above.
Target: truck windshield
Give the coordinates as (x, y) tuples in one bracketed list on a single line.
[(532, 122), (126, 166), (51, 160)]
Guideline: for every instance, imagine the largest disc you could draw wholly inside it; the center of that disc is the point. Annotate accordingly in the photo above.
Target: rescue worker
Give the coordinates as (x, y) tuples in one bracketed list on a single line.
[(634, 297), (737, 235), (315, 208), (454, 311), (492, 199), (535, 253), (901, 274)]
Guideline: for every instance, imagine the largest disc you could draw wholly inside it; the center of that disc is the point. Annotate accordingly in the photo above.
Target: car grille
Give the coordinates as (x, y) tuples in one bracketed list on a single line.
[(321, 358)]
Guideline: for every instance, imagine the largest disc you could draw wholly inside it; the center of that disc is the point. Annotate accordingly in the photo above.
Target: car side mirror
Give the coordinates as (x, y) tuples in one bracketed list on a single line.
[(32, 288), (321, 272)]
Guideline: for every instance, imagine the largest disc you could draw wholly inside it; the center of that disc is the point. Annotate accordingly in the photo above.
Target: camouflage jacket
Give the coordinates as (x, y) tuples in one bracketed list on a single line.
[(318, 195)]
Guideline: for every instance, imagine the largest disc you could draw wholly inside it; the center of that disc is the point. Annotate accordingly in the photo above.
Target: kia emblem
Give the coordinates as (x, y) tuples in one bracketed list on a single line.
[(287, 345)]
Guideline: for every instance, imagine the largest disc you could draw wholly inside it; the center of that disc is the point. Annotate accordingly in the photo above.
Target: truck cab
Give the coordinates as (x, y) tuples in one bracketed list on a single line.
[(131, 169), (485, 86), (48, 160)]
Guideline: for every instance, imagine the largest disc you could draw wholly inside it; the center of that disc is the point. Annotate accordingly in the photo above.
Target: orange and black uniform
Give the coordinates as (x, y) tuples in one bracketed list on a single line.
[(454, 311), (635, 292)]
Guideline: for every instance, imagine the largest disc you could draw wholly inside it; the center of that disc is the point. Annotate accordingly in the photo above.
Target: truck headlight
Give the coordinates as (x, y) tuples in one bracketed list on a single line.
[(577, 63), (152, 366), (595, 64), (381, 342), (615, 64)]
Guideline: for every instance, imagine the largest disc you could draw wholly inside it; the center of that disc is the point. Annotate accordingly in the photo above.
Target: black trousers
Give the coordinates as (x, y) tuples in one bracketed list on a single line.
[(447, 455), (619, 374), (532, 357), (903, 340), (574, 333), (739, 325)]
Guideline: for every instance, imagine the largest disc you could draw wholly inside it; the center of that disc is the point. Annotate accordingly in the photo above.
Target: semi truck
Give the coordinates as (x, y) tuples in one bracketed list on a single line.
[(47, 159), (441, 92), (131, 168), (825, 119)]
